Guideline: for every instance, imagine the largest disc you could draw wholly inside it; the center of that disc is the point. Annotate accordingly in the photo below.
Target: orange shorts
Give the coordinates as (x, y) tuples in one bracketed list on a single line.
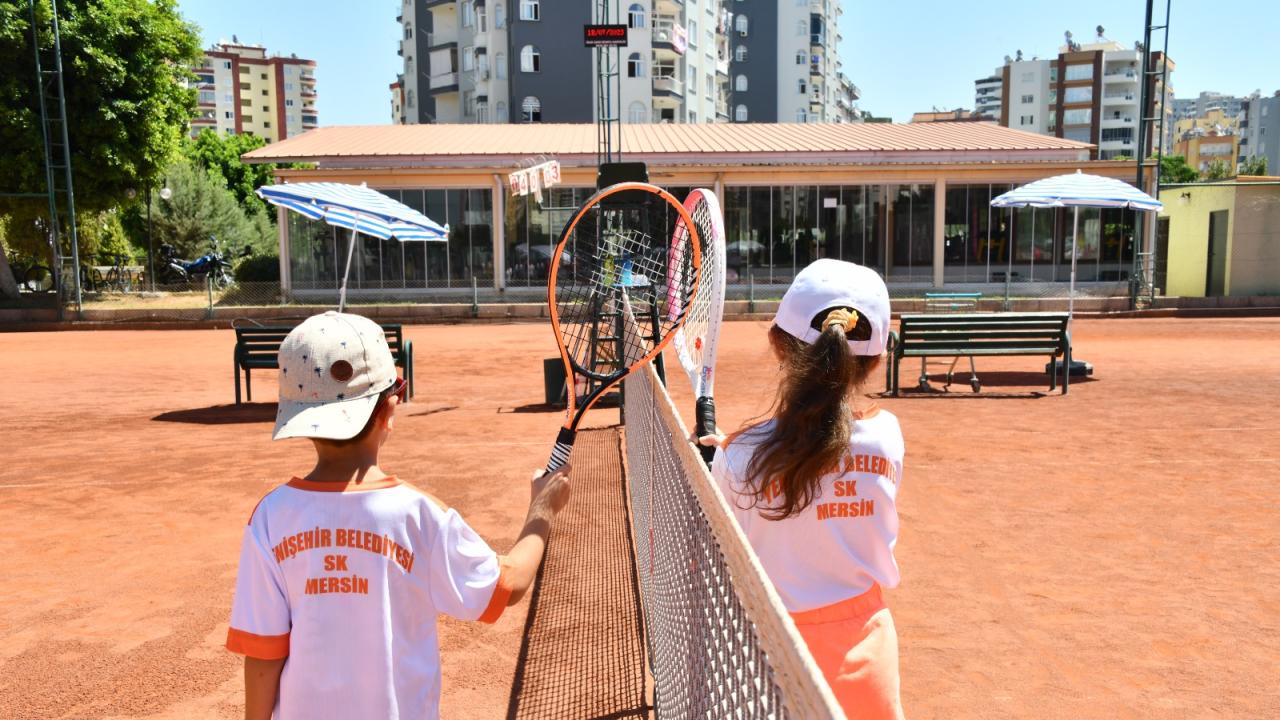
[(856, 647)]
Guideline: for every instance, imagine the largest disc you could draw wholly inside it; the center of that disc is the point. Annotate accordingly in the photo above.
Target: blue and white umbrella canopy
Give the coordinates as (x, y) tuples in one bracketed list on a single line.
[(355, 207), (1078, 190), (358, 209)]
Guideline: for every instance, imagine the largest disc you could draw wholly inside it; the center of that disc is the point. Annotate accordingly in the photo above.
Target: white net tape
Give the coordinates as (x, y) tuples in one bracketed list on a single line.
[(720, 643)]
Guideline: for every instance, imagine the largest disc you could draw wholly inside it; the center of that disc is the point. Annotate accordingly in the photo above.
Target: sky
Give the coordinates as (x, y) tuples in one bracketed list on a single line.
[(906, 55)]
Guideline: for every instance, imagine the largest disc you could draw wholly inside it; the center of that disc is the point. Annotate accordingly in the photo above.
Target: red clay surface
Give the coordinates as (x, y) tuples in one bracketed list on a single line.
[(1111, 553)]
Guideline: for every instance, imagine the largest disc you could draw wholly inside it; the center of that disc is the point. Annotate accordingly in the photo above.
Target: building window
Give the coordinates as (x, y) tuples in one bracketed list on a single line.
[(635, 66), (635, 15), (1028, 99), (288, 103), (802, 57), (1078, 94), (500, 110), (408, 32), (1027, 120), (266, 124), (226, 64), (500, 15), (468, 58), (530, 10), (1079, 72), (1079, 134), (637, 113), (468, 14), (1082, 116), (740, 83), (229, 115), (530, 59), (740, 53), (740, 113), (693, 117), (531, 110), (482, 113), (802, 28), (802, 116), (409, 98), (500, 61), (804, 86), (693, 34), (741, 24), (482, 20)]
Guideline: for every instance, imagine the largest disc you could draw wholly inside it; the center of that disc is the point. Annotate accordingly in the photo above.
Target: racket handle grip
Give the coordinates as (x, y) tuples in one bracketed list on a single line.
[(560, 453), (705, 424)]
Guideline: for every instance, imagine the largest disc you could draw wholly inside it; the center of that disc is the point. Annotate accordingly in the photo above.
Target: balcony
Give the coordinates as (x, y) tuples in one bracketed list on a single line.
[(1113, 122), (817, 7), (667, 86), (1120, 76), (817, 40), (666, 44), (668, 7), (442, 40), (443, 83)]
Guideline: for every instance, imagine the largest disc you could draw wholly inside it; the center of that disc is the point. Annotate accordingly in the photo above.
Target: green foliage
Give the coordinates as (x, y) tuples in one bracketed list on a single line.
[(125, 66), (1217, 170), (258, 268), (221, 154), (1174, 169), (102, 238), (200, 209), (1254, 166)]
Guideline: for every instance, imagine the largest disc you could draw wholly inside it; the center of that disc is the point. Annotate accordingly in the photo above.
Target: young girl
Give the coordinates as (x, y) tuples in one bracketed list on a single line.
[(813, 486)]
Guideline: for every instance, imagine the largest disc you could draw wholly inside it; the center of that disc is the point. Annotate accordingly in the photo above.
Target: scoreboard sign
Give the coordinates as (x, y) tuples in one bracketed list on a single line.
[(604, 35)]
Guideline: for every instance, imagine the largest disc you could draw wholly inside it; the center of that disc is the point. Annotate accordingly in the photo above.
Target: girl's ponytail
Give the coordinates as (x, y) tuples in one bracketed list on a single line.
[(813, 416)]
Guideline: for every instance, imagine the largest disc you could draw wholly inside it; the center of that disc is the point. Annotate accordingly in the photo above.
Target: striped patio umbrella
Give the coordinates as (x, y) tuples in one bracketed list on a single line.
[(356, 208), (1077, 190)]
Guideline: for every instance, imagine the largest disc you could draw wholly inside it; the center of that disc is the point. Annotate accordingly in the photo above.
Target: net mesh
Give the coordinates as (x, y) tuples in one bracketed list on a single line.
[(720, 643)]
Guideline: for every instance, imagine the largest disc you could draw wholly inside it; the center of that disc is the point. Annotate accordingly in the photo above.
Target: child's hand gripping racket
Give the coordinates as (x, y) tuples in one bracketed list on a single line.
[(695, 341), (609, 254)]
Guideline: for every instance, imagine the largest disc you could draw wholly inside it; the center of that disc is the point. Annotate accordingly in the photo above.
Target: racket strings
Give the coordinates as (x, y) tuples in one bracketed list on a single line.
[(604, 259)]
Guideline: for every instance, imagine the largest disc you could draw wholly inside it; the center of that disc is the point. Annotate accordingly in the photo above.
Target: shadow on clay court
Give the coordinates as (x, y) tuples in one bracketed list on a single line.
[(432, 410), (533, 408), (990, 380), (243, 413), (582, 655)]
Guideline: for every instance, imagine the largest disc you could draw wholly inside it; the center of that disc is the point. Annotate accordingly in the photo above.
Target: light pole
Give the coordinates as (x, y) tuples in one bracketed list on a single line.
[(165, 194)]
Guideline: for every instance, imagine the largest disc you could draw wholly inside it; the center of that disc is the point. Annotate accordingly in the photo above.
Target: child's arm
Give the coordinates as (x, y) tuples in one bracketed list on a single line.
[(549, 493), (261, 684)]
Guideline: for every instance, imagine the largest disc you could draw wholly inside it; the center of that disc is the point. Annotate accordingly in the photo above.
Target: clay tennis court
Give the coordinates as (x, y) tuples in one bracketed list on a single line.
[(1114, 553)]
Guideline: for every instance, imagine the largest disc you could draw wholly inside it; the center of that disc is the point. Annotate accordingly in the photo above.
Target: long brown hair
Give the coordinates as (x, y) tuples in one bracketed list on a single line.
[(813, 414)]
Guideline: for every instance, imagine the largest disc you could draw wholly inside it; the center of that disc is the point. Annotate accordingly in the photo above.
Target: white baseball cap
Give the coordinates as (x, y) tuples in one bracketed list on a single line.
[(333, 368), (827, 284)]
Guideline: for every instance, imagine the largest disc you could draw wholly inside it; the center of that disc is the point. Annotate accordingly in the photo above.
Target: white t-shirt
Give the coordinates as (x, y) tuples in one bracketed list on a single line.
[(346, 581), (842, 543)]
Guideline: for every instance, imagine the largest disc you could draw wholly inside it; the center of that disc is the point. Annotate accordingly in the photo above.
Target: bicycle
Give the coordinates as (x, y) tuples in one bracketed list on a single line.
[(119, 277), (34, 277)]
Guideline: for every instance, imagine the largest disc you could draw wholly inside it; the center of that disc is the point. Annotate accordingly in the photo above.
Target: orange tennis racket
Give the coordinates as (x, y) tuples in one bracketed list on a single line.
[(618, 251)]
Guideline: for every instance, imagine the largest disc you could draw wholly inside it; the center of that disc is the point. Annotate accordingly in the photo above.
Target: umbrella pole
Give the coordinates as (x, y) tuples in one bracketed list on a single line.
[(342, 294), (1071, 295)]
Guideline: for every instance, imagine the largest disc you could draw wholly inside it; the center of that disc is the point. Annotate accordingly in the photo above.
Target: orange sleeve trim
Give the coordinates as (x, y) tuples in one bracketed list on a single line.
[(262, 647), (501, 596), (337, 487)]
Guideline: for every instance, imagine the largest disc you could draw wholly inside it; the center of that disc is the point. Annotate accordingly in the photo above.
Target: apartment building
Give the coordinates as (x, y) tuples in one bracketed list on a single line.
[(1089, 92), (785, 67), (397, 101), (1260, 130), (1201, 105), (987, 94), (686, 61), (243, 89)]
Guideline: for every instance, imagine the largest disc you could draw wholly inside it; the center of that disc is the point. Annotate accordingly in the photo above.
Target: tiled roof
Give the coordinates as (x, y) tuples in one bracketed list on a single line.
[(457, 145)]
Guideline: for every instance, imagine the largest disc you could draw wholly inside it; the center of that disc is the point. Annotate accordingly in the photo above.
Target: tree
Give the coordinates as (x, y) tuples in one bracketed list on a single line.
[(1256, 165), (1217, 170), (202, 209), (125, 69), (221, 154), (1174, 169)]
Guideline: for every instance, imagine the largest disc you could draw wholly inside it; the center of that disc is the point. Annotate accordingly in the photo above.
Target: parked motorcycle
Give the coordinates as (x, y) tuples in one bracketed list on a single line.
[(173, 270)]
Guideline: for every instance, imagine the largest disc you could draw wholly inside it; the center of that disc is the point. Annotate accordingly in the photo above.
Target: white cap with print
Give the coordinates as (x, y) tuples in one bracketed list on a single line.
[(827, 284), (333, 367)]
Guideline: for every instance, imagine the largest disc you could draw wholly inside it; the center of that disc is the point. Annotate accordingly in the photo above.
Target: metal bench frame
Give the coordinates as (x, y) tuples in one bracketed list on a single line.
[(985, 334), (258, 348)]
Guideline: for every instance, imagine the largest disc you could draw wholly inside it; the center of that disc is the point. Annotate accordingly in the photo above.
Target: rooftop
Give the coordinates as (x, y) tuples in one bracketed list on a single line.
[(672, 144)]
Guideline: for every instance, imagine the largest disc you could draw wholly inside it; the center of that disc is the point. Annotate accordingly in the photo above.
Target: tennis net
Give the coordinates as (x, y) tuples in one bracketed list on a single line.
[(720, 644)]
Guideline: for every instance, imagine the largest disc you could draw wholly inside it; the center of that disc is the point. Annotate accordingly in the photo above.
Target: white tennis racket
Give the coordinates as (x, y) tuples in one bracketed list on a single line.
[(695, 341)]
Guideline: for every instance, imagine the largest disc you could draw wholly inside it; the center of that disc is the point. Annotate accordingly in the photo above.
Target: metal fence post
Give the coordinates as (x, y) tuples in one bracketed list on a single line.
[(475, 298), (1008, 279), (208, 284), (751, 291)]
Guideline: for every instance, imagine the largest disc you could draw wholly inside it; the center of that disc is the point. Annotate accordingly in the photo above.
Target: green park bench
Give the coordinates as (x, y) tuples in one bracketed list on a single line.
[(258, 348), (980, 334)]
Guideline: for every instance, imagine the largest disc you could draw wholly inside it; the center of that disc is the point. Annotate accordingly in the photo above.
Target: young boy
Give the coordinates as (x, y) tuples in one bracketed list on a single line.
[(343, 572)]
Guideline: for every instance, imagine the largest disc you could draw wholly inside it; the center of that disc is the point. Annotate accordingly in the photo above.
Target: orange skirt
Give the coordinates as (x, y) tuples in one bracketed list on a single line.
[(856, 646)]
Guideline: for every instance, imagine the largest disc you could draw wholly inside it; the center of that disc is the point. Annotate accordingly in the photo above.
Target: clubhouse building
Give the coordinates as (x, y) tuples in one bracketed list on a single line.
[(912, 201)]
